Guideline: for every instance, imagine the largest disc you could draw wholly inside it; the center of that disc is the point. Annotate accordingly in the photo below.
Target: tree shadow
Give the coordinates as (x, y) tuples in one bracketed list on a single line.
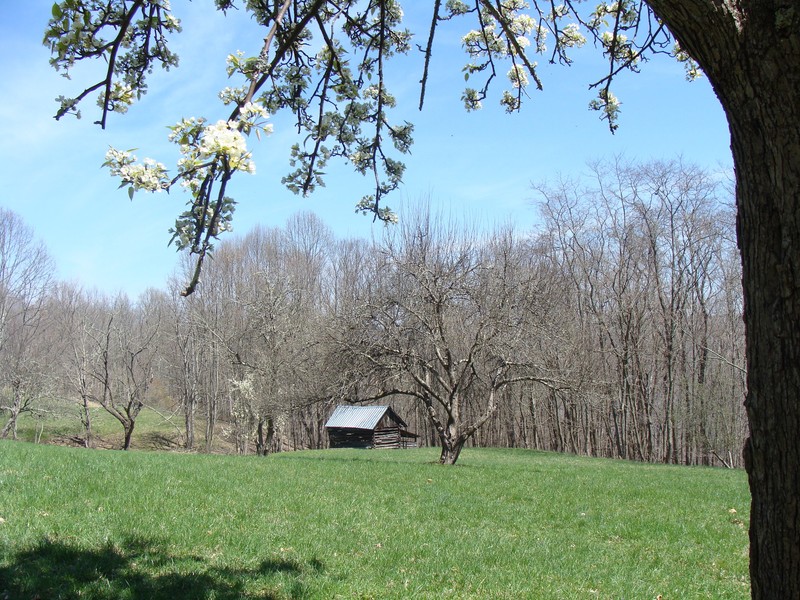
[(139, 568)]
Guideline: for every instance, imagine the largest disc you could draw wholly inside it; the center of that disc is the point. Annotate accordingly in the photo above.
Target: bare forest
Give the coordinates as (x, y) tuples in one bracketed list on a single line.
[(613, 329)]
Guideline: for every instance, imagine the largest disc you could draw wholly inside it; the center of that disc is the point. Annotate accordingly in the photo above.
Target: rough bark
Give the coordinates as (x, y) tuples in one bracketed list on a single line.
[(10, 426), (265, 432), (451, 449), (126, 443), (751, 53), (86, 421), (769, 238)]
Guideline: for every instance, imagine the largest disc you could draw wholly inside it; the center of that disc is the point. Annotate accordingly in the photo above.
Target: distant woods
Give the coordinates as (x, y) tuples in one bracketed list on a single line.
[(614, 329)]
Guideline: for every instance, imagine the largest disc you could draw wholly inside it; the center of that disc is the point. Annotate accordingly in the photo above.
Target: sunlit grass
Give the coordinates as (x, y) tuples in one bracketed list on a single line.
[(365, 524), (155, 429)]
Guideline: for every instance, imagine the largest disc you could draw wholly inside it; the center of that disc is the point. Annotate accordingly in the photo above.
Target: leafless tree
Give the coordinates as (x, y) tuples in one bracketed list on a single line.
[(125, 354), (447, 324), (78, 315), (25, 277), (270, 291), (648, 250)]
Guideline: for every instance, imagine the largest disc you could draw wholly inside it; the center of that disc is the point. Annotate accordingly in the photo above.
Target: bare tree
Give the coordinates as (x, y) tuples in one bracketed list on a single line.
[(447, 324), (25, 277), (269, 289), (648, 250), (198, 365), (78, 315), (125, 357), (186, 358)]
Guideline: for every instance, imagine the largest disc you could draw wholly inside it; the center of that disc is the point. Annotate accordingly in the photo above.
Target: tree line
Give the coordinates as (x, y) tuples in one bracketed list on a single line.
[(613, 329)]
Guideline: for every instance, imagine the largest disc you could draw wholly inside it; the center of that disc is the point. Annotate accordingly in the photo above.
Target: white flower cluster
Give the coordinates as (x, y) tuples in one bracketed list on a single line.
[(480, 42), (509, 41), (201, 145), (361, 159), (620, 47), (690, 66), (471, 99), (209, 154), (457, 7), (523, 24), (570, 36), (231, 95), (150, 175), (370, 92), (510, 101), (233, 62), (224, 139), (607, 103), (172, 22), (375, 92), (119, 99), (518, 76), (367, 205), (392, 13), (253, 117)]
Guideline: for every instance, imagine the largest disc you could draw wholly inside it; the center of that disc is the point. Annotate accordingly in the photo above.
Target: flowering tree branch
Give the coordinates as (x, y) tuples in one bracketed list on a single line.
[(338, 93)]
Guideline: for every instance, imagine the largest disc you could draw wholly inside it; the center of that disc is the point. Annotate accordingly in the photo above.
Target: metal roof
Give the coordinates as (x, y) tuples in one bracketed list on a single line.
[(360, 417)]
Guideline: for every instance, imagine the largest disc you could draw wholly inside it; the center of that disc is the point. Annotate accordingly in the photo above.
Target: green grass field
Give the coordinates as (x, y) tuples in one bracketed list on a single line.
[(365, 524), (155, 430)]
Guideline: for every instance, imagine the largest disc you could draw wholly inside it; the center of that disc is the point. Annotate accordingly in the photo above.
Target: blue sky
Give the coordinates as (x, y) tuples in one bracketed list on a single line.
[(479, 164)]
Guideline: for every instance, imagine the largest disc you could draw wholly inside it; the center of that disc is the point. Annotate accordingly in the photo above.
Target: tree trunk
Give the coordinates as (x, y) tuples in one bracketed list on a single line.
[(211, 421), (189, 408), (10, 426), (265, 432), (86, 421), (769, 237), (15, 409), (751, 54), (763, 107), (451, 449), (126, 444)]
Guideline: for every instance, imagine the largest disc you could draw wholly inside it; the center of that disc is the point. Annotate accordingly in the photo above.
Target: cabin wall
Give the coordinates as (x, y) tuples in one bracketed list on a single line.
[(387, 437), (341, 437)]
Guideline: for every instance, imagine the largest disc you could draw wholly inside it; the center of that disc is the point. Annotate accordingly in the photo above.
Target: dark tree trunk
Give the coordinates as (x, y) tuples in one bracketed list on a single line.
[(211, 421), (451, 449), (10, 426), (751, 53), (86, 421), (265, 432), (768, 167), (450, 437), (189, 409), (126, 444)]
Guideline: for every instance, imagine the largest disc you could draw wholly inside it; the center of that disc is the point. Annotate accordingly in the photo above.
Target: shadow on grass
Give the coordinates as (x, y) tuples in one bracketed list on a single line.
[(138, 568)]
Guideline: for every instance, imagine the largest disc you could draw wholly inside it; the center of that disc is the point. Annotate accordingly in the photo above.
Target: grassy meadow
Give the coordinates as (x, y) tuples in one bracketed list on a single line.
[(103, 524), (155, 429)]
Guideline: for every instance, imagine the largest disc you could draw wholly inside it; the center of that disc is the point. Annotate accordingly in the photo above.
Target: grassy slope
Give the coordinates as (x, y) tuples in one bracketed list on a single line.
[(154, 430), (365, 524)]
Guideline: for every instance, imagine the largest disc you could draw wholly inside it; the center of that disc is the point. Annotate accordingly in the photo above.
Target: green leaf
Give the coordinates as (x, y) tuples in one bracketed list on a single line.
[(56, 11), (466, 76), (130, 192)]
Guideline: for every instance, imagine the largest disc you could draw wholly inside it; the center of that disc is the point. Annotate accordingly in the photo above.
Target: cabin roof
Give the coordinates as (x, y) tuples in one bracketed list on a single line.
[(361, 417)]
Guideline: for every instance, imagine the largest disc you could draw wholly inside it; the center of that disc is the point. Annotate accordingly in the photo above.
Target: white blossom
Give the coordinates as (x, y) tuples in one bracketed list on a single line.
[(570, 36), (224, 139), (150, 175), (518, 76)]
